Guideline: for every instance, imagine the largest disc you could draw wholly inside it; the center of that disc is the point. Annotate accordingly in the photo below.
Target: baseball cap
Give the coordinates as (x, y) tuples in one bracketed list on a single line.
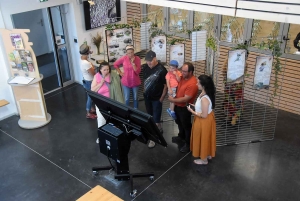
[(150, 55), (84, 49), (173, 63)]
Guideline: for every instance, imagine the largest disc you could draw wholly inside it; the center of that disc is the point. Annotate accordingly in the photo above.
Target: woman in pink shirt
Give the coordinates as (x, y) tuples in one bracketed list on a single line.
[(101, 80), (130, 76)]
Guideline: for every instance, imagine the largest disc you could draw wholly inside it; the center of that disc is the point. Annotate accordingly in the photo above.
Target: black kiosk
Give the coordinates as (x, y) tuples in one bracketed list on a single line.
[(123, 124)]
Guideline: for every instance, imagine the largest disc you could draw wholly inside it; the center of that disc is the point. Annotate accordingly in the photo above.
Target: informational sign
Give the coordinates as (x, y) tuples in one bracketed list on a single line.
[(145, 35), (177, 53), (199, 45), (236, 65), (159, 46), (116, 42), (263, 69)]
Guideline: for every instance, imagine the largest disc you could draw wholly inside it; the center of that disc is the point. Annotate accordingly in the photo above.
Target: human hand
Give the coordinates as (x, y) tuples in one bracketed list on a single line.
[(170, 92), (171, 99), (121, 74), (190, 109)]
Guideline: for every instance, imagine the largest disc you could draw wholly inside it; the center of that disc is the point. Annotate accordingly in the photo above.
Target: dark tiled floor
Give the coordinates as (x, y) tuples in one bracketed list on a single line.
[(54, 162)]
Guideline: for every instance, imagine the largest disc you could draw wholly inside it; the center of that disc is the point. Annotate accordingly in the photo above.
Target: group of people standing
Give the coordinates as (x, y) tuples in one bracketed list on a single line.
[(182, 88)]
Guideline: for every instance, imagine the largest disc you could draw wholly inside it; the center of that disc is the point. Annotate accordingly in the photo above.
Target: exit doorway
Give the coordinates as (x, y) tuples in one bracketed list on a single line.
[(50, 45)]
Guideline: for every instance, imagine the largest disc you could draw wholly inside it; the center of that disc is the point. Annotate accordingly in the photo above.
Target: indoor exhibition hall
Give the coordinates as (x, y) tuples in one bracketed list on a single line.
[(147, 100)]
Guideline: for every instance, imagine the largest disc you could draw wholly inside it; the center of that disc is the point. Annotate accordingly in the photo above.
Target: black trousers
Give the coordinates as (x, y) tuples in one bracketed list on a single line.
[(183, 120)]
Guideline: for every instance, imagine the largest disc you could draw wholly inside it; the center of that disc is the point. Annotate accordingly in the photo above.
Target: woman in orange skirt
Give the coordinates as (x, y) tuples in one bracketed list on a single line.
[(203, 137)]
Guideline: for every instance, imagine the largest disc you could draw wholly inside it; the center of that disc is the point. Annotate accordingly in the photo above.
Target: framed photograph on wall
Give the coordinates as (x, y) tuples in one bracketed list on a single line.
[(116, 42), (159, 46), (263, 69), (177, 53), (236, 65)]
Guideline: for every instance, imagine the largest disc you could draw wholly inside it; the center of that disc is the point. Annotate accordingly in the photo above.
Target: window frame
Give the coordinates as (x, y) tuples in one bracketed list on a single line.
[(283, 32)]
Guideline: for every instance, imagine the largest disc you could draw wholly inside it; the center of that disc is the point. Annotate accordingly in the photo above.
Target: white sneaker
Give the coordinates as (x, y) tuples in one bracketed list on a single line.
[(151, 144), (97, 141)]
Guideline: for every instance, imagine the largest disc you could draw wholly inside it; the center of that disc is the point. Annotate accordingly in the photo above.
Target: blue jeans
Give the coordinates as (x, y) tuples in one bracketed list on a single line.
[(126, 91), (89, 102), (154, 108)]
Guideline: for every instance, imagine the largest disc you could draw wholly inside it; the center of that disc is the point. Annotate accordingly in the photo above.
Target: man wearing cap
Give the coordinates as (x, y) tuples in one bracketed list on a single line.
[(88, 72), (155, 90), (186, 93)]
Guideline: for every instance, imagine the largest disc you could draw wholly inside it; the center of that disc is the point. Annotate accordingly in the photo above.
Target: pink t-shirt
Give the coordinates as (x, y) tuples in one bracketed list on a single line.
[(130, 78), (104, 90), (171, 78)]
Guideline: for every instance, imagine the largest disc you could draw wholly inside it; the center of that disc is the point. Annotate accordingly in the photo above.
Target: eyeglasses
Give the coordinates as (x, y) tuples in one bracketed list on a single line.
[(185, 71)]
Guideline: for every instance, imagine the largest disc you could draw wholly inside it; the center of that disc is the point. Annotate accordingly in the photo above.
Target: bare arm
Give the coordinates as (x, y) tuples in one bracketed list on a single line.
[(184, 99), (204, 108), (91, 70), (96, 86), (117, 64)]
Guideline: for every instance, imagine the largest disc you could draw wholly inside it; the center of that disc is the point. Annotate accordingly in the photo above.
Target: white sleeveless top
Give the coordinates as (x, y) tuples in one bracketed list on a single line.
[(198, 104)]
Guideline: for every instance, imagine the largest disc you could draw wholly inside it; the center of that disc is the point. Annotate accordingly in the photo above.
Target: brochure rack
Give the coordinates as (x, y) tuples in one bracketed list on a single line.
[(22, 62)]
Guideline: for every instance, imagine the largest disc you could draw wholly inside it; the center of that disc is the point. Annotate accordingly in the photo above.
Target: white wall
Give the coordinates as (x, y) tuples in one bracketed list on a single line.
[(76, 29)]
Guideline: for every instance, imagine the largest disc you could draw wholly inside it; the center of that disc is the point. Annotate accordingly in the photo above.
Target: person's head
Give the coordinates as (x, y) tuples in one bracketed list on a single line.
[(151, 58), (84, 50), (187, 70), (130, 51), (206, 84), (104, 68), (173, 65)]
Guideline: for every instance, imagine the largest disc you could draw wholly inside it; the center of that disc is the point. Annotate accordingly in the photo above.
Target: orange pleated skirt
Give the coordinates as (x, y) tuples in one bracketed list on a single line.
[(203, 136)]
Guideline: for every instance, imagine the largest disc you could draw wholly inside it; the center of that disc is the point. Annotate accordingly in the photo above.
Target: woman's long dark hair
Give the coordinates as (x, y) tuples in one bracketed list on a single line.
[(102, 64), (208, 84)]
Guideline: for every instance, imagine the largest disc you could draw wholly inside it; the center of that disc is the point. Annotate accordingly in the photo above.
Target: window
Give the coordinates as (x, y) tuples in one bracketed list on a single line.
[(232, 29), (262, 30), (294, 29), (178, 19), (205, 20), (156, 15)]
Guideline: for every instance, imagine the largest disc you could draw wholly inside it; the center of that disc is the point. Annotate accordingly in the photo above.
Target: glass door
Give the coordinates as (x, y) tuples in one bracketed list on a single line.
[(61, 45), (37, 21)]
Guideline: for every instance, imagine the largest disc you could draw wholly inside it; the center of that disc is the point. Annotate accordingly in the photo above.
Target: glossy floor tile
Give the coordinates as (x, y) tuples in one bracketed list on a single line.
[(54, 162)]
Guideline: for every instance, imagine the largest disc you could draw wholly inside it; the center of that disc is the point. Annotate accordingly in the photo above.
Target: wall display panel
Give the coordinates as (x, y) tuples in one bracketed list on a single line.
[(159, 46), (263, 69), (199, 45), (145, 35), (101, 12), (236, 65), (116, 42), (177, 53)]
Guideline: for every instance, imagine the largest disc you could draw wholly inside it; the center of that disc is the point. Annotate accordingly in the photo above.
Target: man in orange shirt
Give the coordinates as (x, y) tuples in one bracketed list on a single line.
[(186, 93)]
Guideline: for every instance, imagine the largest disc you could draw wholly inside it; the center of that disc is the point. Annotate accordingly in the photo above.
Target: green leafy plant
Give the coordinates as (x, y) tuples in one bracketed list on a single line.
[(211, 43), (173, 41)]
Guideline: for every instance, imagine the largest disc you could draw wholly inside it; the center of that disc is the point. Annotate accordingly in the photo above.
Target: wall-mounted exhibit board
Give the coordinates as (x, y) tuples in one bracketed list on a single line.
[(22, 63)]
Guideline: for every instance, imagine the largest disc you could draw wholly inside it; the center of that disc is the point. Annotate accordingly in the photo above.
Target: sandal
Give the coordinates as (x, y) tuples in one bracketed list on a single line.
[(200, 162), (93, 111), (209, 158), (91, 116)]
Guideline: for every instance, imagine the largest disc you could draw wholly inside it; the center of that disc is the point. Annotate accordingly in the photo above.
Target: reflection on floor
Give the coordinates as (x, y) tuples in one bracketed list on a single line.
[(54, 162), (47, 68)]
